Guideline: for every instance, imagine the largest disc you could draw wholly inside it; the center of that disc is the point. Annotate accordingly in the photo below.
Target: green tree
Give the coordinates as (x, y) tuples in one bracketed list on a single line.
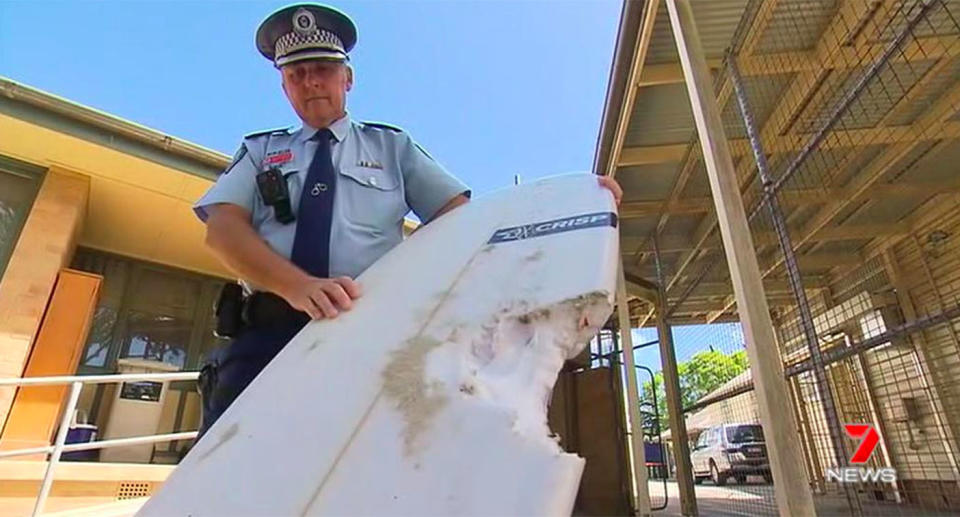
[(699, 375), (646, 405)]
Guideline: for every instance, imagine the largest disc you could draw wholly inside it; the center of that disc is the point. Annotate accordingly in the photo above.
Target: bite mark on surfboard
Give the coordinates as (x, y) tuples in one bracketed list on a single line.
[(558, 331), (511, 362), (346, 446)]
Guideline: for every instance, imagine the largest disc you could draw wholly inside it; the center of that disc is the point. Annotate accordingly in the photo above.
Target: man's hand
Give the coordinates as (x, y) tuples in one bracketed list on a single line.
[(322, 298), (611, 184)]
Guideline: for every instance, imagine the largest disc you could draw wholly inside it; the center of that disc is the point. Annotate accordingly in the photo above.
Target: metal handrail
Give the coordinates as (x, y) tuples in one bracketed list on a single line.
[(76, 383), (99, 379), (102, 444)]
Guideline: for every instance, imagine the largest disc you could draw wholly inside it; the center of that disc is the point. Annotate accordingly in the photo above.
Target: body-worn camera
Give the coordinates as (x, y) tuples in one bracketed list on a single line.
[(273, 189)]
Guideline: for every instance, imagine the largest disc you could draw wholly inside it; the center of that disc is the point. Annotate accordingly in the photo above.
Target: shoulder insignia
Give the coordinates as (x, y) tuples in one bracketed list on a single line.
[(275, 131), (236, 159), (381, 125)]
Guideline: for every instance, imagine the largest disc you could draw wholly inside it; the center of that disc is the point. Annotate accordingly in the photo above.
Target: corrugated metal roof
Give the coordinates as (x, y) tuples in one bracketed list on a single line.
[(647, 182), (637, 227), (888, 211), (796, 25), (849, 211), (716, 20), (844, 246), (907, 162), (661, 115), (699, 184), (801, 215), (936, 166), (682, 224), (864, 156)]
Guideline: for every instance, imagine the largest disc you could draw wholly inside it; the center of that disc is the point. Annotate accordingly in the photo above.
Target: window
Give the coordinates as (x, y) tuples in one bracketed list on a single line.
[(701, 440), (715, 436), (98, 340), (744, 433), (19, 183), (148, 311), (157, 337)]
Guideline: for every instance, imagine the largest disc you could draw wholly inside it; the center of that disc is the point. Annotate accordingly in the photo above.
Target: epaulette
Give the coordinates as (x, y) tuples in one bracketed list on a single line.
[(275, 131), (382, 125)]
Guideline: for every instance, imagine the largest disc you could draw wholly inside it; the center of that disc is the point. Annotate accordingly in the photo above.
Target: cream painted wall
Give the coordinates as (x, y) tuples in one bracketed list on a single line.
[(137, 208)]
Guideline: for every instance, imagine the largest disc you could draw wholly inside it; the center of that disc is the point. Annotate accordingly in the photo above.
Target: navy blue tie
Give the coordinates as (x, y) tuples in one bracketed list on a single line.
[(311, 245)]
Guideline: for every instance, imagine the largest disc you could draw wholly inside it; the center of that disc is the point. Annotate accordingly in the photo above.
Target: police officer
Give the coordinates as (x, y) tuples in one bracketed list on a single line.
[(300, 213)]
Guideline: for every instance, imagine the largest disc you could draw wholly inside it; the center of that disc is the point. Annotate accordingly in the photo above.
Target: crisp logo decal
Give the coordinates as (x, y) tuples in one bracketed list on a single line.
[(567, 224)]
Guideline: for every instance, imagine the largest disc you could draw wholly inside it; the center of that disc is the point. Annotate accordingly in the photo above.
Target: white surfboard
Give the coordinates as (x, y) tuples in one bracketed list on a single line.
[(430, 396)]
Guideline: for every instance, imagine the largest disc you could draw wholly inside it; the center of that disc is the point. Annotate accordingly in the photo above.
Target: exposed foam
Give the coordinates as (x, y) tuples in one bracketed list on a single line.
[(507, 365)]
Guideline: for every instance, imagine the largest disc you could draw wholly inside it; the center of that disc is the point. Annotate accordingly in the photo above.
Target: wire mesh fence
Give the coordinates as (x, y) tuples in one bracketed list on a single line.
[(844, 121), (853, 107), (728, 457)]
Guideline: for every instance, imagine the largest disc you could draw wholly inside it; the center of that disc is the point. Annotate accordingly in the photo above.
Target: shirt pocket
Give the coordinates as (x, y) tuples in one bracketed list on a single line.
[(294, 184), (372, 198)]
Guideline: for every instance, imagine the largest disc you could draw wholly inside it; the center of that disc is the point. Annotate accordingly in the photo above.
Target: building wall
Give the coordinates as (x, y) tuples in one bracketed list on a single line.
[(138, 207), (931, 277), (46, 245), (910, 386), (874, 391), (738, 409)]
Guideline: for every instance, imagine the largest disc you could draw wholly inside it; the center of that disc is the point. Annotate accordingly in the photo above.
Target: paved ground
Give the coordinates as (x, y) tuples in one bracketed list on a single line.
[(753, 499), (756, 498)]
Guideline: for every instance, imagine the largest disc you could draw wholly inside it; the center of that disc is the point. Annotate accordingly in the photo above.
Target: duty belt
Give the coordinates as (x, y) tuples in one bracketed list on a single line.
[(262, 309)]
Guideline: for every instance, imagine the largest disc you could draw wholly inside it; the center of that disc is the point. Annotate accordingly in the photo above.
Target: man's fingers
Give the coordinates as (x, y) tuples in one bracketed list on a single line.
[(338, 295), (311, 309), (320, 299), (349, 285), (614, 187), (326, 298)]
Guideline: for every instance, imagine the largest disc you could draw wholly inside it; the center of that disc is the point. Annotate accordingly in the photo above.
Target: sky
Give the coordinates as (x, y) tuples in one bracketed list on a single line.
[(490, 88), (687, 341)]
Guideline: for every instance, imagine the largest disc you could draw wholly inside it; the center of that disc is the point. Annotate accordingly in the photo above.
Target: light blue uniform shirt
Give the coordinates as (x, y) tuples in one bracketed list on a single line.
[(382, 174)]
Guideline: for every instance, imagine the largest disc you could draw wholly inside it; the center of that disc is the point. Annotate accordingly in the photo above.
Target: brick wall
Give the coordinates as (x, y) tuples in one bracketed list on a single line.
[(46, 244)]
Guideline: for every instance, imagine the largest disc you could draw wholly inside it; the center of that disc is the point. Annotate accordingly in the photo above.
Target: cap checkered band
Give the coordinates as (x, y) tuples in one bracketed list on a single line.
[(318, 40)]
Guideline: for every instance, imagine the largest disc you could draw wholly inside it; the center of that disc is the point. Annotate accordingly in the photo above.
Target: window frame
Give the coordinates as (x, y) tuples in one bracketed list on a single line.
[(35, 176), (201, 339)]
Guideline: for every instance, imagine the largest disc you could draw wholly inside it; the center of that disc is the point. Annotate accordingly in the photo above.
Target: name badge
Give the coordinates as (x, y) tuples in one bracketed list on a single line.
[(278, 158)]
